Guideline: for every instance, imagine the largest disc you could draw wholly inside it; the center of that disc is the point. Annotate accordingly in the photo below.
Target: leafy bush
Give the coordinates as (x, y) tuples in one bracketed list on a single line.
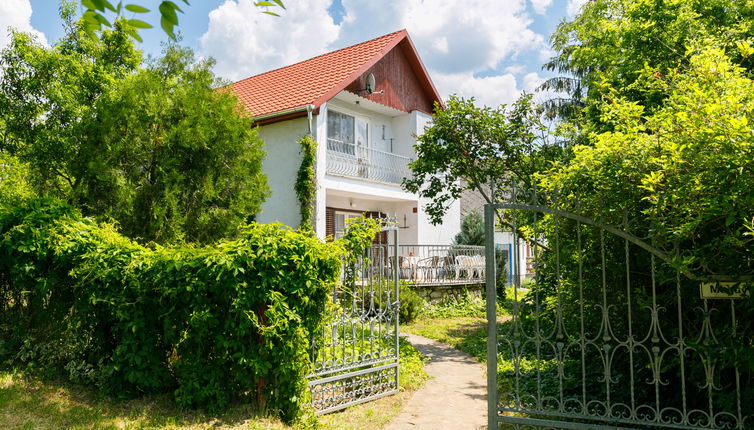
[(466, 305), (412, 303), (211, 324)]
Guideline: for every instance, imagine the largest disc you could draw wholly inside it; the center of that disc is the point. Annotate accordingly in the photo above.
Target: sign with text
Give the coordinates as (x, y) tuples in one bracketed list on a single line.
[(723, 290)]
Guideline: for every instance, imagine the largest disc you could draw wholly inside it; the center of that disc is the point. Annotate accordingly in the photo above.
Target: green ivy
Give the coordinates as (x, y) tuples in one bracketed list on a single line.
[(306, 181), (210, 324)]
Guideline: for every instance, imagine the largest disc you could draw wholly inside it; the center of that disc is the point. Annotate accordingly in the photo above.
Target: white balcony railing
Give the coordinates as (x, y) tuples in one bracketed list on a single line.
[(347, 159)]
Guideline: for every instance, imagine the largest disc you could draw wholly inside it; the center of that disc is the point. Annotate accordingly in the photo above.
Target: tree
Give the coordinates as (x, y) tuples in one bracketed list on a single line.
[(610, 42), (683, 173), (155, 148), (94, 17), (47, 97), (182, 160), (483, 149), (472, 230)]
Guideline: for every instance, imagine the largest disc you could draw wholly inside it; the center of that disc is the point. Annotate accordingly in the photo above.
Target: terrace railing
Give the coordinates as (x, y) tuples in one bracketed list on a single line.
[(347, 159), (436, 264)]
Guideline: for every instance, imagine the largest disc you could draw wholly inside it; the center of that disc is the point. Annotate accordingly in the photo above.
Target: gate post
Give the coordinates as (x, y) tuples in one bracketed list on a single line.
[(491, 296)]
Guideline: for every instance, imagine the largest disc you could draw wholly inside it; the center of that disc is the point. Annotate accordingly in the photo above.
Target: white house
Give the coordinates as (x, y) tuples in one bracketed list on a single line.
[(364, 105)]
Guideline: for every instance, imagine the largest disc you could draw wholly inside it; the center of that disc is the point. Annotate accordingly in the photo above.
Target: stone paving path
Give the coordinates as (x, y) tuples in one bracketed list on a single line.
[(456, 396)]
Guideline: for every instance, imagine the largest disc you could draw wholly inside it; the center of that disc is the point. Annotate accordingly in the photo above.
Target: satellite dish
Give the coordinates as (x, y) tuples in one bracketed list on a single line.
[(371, 83)]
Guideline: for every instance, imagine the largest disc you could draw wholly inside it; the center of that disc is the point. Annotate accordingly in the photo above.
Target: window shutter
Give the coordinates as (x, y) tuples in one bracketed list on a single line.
[(330, 222)]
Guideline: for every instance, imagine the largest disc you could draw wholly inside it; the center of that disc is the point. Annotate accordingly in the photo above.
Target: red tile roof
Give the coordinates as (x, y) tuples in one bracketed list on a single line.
[(318, 79)]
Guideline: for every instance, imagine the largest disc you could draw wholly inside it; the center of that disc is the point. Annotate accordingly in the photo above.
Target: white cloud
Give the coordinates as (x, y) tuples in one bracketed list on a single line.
[(489, 90), (458, 40), (574, 7), (246, 42), (540, 6), (16, 14), (515, 69), (479, 34)]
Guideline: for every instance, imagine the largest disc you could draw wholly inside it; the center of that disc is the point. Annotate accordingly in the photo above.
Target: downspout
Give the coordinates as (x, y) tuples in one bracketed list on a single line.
[(309, 109)]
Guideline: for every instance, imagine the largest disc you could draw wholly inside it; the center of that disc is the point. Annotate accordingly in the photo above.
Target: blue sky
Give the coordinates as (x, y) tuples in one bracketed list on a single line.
[(488, 49)]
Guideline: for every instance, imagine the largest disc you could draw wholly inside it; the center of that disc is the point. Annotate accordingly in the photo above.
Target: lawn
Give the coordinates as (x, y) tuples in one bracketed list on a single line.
[(28, 402)]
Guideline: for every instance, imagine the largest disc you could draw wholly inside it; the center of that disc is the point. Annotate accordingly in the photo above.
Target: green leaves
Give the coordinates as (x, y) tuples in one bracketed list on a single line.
[(210, 325), (136, 8), (470, 147), (94, 16), (268, 4), (157, 148)]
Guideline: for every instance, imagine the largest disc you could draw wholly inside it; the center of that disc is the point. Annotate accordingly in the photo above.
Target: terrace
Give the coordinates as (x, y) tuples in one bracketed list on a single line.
[(433, 265)]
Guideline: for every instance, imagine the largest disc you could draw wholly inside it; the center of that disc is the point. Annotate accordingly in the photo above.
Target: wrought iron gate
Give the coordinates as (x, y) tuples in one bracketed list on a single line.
[(608, 334), (356, 354)]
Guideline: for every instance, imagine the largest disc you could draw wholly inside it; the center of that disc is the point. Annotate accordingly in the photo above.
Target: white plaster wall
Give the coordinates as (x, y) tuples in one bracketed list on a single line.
[(361, 186), (446, 231), (443, 233), (404, 129), (281, 165)]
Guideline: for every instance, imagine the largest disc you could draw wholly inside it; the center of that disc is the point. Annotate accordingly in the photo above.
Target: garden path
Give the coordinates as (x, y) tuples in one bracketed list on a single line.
[(456, 396)]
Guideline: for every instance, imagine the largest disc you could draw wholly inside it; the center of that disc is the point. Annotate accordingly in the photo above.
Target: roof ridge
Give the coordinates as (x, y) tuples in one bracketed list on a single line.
[(384, 36)]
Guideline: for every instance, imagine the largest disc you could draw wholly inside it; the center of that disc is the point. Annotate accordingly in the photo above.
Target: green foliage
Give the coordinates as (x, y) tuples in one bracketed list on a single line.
[(464, 305), (472, 230), (94, 17), (412, 375), (47, 98), (611, 41), (210, 324), (682, 174), (411, 303), (155, 148), (306, 181), (182, 162), (468, 147), (14, 184)]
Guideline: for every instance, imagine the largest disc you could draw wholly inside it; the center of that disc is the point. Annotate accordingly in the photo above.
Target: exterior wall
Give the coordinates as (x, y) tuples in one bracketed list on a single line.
[(443, 233), (505, 240), (395, 140), (281, 165)]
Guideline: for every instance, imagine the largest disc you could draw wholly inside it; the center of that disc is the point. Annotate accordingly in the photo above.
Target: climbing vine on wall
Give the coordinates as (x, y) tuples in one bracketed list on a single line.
[(306, 182)]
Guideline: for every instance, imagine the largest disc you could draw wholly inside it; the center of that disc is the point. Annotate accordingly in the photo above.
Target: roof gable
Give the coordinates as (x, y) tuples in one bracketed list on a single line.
[(314, 81)]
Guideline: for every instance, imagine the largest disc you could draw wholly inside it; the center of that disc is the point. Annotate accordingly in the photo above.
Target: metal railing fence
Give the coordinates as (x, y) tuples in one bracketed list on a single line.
[(347, 159), (435, 264)]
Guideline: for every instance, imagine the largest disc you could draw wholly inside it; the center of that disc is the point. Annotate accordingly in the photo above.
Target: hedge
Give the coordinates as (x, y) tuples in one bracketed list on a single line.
[(211, 324)]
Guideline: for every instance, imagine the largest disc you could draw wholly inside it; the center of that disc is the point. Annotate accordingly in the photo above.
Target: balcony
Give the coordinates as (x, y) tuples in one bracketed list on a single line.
[(347, 159)]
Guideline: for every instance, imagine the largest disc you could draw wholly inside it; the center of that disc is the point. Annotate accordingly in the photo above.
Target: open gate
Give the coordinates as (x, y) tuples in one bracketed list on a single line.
[(607, 334), (356, 354)]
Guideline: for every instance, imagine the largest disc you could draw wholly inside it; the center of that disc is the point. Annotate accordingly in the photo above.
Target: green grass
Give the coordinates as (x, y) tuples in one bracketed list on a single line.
[(28, 402)]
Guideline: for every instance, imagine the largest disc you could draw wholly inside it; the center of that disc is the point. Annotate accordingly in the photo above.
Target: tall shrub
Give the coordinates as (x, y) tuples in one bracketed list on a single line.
[(210, 324)]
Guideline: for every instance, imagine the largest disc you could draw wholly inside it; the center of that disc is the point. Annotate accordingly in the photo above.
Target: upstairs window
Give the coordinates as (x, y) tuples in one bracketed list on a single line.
[(340, 132)]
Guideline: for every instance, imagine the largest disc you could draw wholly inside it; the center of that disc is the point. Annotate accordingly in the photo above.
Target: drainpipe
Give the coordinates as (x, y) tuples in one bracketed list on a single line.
[(309, 109)]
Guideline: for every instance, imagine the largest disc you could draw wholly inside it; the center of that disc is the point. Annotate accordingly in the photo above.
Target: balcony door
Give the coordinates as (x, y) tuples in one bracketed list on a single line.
[(347, 134)]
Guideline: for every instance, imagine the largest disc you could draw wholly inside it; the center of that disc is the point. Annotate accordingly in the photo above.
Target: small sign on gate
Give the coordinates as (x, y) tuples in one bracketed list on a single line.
[(723, 290)]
